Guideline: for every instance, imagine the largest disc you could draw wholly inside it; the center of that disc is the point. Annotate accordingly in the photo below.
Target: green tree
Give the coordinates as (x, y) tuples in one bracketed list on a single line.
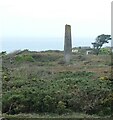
[(100, 40), (3, 53)]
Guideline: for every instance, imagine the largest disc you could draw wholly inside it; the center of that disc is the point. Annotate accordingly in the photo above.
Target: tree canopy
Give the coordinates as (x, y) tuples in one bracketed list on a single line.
[(100, 40)]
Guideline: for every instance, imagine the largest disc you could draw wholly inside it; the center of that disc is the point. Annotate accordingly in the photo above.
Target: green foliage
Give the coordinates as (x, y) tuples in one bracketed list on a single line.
[(30, 87), (100, 40), (49, 104), (61, 107), (6, 76), (3, 53), (49, 95), (24, 58), (105, 51)]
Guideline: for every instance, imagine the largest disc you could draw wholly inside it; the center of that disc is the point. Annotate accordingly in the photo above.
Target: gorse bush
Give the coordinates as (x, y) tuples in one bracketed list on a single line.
[(61, 107), (37, 83), (69, 90)]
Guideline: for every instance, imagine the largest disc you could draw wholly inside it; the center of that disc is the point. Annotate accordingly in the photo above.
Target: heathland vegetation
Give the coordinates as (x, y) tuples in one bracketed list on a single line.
[(41, 82)]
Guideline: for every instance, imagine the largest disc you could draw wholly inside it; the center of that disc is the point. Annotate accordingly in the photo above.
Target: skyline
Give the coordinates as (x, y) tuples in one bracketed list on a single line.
[(38, 20), (57, 44)]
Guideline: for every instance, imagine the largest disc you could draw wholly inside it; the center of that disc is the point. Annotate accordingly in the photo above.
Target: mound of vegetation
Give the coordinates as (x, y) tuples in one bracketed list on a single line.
[(37, 83)]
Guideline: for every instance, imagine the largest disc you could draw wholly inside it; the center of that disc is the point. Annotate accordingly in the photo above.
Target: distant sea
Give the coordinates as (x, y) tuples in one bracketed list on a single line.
[(41, 44)]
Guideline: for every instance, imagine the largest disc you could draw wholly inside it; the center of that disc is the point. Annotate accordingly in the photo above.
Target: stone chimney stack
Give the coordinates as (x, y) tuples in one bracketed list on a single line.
[(67, 44)]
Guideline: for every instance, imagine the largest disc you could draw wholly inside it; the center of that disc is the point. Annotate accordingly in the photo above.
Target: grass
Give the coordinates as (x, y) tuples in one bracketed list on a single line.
[(46, 115)]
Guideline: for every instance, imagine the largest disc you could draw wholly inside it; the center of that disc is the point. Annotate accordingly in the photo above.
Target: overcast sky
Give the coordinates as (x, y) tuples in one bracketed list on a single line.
[(40, 20)]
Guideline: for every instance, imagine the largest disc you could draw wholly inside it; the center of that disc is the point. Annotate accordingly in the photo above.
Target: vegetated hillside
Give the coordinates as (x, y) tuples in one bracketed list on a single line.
[(40, 82)]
